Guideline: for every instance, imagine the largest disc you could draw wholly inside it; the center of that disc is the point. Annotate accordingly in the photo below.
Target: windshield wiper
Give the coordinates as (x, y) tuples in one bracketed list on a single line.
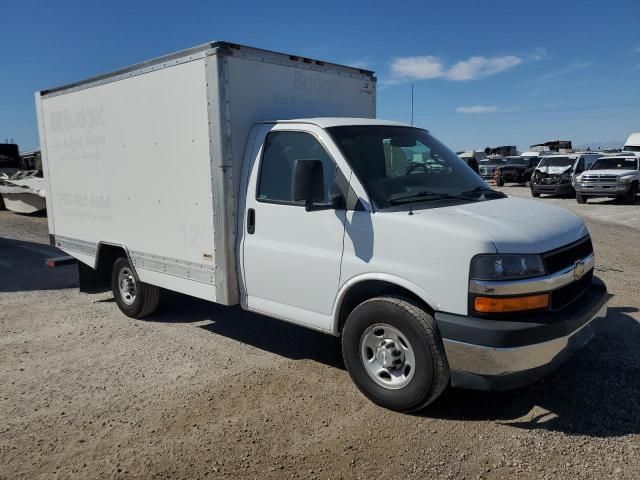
[(426, 195), (484, 190)]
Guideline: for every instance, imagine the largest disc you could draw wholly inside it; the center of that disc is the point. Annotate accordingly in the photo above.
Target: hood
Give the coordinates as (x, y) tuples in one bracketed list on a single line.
[(613, 171), (513, 225), (554, 170)]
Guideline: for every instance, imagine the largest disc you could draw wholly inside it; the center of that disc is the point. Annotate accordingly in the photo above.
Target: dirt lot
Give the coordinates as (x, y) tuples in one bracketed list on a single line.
[(203, 391)]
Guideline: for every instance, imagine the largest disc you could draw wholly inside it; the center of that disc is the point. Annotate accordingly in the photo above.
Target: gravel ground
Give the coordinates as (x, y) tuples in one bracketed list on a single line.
[(204, 391)]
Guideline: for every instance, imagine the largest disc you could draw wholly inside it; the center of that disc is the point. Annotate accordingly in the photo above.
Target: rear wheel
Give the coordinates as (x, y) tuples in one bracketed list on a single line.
[(134, 298), (581, 198), (394, 353), (499, 181)]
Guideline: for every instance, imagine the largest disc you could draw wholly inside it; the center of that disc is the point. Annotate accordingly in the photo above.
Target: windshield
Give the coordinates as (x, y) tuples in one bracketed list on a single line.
[(555, 162), (405, 165), (517, 161), (631, 148), (615, 163)]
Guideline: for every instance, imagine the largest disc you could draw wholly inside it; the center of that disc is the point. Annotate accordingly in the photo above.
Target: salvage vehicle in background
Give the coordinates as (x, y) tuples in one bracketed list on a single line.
[(515, 170), (615, 176), (296, 203), (554, 174), (488, 166), (632, 145)]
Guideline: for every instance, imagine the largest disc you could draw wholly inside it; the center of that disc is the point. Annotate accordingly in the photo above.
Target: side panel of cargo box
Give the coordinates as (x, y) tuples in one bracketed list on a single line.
[(128, 163)]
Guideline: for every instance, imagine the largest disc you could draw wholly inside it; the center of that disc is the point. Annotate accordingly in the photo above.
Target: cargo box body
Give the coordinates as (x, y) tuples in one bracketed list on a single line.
[(149, 158)]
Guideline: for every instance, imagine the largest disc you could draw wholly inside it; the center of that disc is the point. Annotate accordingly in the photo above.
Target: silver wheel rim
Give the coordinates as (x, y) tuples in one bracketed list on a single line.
[(127, 285), (387, 356)]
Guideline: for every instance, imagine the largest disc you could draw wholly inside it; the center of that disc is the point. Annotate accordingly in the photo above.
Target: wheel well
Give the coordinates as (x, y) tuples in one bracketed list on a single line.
[(374, 288), (98, 279)]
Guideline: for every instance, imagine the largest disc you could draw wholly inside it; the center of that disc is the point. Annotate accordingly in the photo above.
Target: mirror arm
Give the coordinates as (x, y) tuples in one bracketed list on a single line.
[(336, 203)]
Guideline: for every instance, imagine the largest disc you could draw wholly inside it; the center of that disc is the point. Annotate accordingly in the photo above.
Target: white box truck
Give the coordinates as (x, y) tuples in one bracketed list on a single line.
[(244, 176)]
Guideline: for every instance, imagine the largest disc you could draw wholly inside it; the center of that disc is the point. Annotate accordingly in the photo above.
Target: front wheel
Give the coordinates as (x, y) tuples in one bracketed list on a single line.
[(134, 298), (499, 182), (630, 197), (394, 353), (581, 198), (535, 194)]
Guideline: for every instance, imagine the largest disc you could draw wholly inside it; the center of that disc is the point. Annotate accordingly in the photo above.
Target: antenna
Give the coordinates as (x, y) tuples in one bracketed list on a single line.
[(412, 104)]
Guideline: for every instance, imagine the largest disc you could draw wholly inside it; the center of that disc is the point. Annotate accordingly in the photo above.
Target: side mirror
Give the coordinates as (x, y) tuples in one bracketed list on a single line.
[(308, 182)]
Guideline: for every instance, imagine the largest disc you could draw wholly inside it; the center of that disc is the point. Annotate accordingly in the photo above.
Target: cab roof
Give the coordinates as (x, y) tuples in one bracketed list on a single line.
[(328, 122)]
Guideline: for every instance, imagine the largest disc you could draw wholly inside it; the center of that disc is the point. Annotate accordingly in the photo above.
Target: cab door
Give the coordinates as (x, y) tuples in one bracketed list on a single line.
[(291, 257)]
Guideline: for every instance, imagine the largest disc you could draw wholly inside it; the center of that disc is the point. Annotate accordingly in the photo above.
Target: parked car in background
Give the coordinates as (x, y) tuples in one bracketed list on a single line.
[(554, 174), (488, 166), (515, 170), (473, 158), (615, 176), (632, 145)]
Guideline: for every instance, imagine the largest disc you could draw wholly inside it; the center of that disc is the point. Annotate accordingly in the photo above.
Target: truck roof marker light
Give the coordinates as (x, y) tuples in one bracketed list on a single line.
[(510, 304)]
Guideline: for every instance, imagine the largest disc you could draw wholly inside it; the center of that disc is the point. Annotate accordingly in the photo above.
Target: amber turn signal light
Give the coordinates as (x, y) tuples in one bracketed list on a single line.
[(511, 304)]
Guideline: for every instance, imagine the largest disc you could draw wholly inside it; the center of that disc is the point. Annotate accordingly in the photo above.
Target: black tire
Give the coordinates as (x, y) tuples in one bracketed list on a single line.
[(146, 297), (499, 182), (431, 374), (2, 207), (535, 194), (630, 197), (581, 198)]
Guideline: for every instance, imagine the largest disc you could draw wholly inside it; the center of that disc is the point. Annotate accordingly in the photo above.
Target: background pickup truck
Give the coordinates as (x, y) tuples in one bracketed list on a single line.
[(515, 170), (614, 176)]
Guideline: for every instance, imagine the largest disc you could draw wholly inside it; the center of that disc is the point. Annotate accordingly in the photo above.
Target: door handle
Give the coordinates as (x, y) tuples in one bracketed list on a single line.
[(251, 221)]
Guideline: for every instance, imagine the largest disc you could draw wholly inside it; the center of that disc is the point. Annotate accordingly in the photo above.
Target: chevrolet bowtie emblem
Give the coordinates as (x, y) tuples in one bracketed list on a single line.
[(578, 269)]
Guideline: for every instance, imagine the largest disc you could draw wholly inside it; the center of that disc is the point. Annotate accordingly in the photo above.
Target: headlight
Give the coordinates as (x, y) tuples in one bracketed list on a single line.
[(566, 176), (578, 178), (625, 178), (506, 267)]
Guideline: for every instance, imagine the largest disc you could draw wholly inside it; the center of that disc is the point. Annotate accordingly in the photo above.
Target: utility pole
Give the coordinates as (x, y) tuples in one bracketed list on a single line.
[(412, 104)]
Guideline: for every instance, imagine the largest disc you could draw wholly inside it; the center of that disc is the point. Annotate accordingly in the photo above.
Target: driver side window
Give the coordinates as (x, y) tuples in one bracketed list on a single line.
[(281, 150)]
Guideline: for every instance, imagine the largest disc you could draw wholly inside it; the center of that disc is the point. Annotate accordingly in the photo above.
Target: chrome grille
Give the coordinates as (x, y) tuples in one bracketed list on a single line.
[(597, 178)]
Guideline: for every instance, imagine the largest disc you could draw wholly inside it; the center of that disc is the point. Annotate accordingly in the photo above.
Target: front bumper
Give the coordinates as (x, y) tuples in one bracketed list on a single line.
[(514, 177), (602, 190), (553, 189), (488, 354)]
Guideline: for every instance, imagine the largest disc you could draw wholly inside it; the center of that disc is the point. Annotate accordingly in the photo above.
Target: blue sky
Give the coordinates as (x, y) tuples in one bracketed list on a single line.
[(485, 72)]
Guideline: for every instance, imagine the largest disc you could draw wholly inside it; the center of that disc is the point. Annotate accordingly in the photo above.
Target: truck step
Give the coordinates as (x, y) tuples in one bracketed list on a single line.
[(59, 261)]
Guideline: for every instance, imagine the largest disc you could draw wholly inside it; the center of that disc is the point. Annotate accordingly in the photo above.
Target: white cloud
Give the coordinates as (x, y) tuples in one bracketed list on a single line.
[(566, 70), (419, 68), (478, 109), (428, 67), (538, 54), (478, 67)]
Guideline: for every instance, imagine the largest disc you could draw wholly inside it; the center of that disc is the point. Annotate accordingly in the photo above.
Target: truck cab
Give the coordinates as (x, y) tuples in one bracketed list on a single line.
[(373, 223)]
